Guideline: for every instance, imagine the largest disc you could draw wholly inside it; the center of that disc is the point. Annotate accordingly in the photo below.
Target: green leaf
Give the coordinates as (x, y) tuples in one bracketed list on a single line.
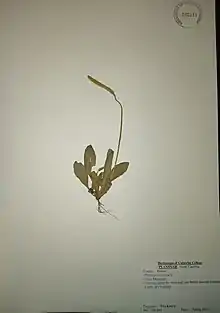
[(105, 182), (119, 170), (108, 164), (89, 159), (80, 173)]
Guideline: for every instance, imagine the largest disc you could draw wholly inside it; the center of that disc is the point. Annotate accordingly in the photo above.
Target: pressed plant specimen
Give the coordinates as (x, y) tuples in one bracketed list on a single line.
[(99, 182)]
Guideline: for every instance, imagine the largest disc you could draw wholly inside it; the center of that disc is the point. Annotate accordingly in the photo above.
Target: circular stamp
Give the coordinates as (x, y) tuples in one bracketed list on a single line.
[(187, 14)]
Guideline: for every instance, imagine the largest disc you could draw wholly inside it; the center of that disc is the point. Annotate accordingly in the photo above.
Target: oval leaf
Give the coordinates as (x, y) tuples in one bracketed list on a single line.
[(108, 163), (107, 166), (119, 170), (80, 173), (89, 159), (105, 182)]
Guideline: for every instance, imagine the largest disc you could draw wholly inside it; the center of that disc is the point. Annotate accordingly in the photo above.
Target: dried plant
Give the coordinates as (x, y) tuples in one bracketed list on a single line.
[(99, 182)]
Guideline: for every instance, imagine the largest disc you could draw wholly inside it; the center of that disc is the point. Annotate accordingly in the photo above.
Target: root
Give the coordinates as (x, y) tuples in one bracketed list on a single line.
[(101, 209)]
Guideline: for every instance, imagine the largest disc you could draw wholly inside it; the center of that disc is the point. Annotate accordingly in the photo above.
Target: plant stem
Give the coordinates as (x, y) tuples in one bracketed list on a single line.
[(120, 131), (107, 88)]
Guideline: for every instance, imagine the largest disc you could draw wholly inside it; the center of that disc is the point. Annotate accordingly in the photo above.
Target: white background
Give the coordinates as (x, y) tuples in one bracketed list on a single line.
[(57, 251)]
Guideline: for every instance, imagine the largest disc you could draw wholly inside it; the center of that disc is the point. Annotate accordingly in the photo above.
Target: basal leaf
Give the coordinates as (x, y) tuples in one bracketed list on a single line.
[(108, 164), (89, 159), (119, 170), (80, 173), (105, 182)]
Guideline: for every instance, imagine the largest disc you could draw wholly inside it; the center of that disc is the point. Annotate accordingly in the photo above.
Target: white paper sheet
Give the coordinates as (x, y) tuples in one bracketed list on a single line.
[(58, 254)]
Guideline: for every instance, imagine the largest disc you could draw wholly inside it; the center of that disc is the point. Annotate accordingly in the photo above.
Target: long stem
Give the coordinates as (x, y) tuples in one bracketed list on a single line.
[(98, 83), (120, 131)]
